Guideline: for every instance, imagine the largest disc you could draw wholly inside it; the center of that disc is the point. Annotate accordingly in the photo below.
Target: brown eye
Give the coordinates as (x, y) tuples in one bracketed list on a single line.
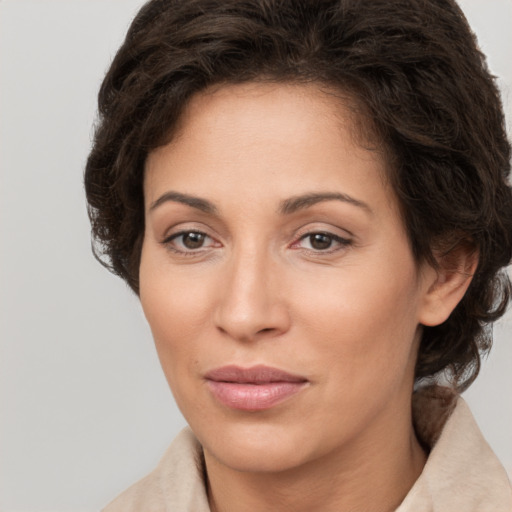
[(193, 240), (320, 241), (189, 242)]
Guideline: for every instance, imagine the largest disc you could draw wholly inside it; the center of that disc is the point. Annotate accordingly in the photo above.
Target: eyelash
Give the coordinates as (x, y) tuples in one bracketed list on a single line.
[(342, 242), (168, 242)]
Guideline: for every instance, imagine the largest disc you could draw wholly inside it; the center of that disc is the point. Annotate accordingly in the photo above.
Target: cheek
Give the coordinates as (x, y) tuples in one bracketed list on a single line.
[(176, 316), (177, 309), (362, 319)]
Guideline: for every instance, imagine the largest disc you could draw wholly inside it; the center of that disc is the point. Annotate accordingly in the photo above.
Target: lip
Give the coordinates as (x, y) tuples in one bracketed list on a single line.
[(253, 389)]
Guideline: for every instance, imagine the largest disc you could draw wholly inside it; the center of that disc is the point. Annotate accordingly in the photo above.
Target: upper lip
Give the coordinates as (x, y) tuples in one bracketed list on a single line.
[(259, 374)]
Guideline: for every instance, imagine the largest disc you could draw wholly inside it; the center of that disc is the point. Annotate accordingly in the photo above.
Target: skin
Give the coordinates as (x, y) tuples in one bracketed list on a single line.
[(347, 316)]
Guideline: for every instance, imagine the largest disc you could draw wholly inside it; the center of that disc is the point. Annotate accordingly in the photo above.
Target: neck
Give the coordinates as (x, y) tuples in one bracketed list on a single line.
[(373, 474)]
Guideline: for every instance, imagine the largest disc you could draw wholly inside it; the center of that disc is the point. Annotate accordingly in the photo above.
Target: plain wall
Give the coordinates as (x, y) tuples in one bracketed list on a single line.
[(84, 406)]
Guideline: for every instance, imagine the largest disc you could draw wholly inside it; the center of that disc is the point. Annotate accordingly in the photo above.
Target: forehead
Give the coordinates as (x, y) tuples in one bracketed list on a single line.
[(287, 136), (256, 99)]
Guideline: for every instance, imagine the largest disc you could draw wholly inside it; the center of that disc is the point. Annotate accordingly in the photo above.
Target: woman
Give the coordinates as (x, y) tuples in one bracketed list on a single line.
[(310, 199)]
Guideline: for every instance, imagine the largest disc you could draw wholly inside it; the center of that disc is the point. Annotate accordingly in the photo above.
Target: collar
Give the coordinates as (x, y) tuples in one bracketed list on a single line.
[(462, 474)]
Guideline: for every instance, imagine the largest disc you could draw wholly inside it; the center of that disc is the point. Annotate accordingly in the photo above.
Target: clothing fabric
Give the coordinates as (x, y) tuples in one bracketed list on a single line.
[(462, 474)]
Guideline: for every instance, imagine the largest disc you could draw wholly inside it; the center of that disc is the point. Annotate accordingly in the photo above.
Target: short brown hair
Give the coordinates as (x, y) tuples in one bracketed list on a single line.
[(413, 65)]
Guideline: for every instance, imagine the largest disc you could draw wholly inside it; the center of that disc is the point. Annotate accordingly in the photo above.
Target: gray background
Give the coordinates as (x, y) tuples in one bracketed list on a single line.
[(84, 407)]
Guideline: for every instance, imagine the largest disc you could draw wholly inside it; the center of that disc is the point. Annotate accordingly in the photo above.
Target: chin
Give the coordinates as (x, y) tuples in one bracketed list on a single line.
[(256, 458), (256, 447)]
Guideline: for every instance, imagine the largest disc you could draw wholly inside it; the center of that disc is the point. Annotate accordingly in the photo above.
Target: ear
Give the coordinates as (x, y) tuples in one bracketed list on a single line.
[(446, 285)]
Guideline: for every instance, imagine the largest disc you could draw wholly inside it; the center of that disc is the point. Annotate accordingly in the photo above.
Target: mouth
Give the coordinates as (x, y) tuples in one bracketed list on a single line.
[(253, 389)]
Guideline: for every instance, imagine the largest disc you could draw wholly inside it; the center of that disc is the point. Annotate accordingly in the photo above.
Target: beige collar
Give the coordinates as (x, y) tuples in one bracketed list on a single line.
[(462, 474)]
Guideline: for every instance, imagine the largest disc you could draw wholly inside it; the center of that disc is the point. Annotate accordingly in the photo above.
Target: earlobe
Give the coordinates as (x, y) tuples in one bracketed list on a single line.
[(446, 285)]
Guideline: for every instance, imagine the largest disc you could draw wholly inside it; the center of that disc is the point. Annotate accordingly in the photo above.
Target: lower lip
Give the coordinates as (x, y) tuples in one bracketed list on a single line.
[(253, 397)]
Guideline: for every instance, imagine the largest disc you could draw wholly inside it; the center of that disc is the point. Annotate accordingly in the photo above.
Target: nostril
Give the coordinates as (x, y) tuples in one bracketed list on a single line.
[(250, 317)]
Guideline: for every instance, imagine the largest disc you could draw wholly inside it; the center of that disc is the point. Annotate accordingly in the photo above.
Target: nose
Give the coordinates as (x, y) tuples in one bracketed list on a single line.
[(251, 304)]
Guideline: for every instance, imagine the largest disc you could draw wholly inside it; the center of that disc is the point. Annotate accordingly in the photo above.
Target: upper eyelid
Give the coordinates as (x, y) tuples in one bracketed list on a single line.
[(326, 233), (185, 227), (314, 227), (182, 232)]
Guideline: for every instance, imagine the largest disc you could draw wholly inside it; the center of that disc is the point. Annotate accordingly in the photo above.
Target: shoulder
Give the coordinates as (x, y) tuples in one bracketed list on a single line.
[(176, 484)]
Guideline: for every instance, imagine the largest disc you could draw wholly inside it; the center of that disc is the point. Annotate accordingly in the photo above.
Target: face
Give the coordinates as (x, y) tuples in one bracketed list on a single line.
[(277, 278)]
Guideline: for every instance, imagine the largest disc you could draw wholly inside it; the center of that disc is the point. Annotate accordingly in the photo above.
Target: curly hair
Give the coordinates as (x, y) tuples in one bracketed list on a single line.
[(415, 69)]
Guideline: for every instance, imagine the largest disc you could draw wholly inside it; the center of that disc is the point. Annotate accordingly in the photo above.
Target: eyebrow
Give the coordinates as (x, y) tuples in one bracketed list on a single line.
[(302, 202), (192, 201), (287, 207)]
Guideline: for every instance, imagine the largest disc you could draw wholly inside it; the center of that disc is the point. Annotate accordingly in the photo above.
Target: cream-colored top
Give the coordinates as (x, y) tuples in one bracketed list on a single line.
[(462, 474)]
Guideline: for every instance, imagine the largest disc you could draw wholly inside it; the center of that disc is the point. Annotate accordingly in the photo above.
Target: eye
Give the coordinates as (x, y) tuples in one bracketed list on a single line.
[(188, 241), (322, 242)]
